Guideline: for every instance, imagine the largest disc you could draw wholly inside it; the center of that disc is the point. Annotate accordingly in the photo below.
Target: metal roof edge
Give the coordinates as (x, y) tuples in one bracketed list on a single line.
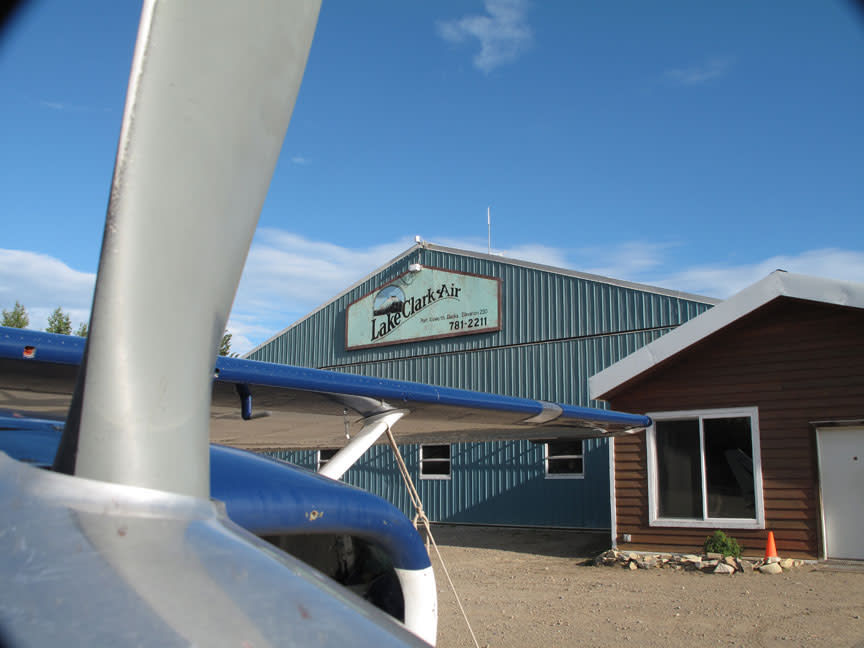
[(576, 274), (499, 259), (777, 284)]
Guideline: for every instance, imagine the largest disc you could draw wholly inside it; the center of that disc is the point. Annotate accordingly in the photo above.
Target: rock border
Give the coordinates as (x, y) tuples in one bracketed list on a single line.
[(711, 563)]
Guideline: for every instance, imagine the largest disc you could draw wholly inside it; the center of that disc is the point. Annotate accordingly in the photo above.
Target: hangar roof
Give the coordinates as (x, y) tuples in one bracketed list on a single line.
[(425, 245)]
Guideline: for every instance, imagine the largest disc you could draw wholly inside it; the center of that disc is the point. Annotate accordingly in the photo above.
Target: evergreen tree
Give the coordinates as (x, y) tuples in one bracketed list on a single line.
[(17, 317), (59, 322), (225, 346), (82, 331)]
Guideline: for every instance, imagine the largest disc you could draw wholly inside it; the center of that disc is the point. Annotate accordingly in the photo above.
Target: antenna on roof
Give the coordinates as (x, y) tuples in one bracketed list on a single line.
[(489, 226)]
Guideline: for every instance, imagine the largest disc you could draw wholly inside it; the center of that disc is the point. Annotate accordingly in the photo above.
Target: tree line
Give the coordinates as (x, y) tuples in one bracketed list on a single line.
[(60, 322)]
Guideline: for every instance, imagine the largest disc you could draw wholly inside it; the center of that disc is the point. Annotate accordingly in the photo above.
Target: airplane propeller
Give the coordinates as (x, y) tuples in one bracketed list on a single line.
[(211, 93)]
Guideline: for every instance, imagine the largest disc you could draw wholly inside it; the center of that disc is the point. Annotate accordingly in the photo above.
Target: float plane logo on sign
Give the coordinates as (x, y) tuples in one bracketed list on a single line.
[(431, 303)]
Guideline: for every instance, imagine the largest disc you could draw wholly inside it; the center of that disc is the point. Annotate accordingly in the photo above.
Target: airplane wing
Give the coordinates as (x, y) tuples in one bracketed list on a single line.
[(258, 405)]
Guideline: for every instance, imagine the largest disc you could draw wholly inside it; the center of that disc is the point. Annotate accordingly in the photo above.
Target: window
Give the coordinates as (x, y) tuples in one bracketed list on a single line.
[(435, 461), (565, 460), (704, 469), (325, 455)]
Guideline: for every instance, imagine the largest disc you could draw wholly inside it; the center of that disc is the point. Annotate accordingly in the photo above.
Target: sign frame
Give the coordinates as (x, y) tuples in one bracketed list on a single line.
[(450, 334)]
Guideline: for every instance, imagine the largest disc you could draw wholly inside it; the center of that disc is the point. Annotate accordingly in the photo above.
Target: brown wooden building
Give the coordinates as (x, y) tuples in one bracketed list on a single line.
[(758, 409)]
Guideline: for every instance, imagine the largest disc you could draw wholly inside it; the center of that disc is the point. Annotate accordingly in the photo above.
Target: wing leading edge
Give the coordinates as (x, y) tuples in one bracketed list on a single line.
[(261, 405)]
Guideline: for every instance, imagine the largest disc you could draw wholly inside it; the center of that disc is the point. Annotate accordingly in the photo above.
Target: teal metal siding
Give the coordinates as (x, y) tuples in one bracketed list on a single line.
[(528, 371), (556, 331), (498, 482), (536, 306), (375, 471)]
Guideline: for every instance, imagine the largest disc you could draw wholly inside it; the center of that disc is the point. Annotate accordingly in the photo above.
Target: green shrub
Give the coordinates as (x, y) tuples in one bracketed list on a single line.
[(722, 544)]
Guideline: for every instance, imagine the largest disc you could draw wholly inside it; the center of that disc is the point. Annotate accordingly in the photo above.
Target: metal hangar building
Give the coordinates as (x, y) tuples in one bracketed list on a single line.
[(483, 322)]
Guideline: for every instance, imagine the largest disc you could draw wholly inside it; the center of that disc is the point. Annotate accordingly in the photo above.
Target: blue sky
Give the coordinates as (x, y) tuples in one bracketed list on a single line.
[(692, 145)]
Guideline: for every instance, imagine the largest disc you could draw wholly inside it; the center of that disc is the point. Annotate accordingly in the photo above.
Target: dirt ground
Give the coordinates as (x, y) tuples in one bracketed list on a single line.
[(530, 588)]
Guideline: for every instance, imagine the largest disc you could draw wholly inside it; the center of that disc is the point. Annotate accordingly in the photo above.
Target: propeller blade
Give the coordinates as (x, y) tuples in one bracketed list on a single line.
[(211, 92)]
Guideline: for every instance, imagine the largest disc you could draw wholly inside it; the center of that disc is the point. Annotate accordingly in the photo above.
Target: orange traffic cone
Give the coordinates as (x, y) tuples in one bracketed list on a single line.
[(770, 547)]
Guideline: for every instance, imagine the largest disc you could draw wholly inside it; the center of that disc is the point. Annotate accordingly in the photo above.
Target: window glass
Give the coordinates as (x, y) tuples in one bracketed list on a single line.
[(436, 451), (679, 470), (325, 455), (729, 467), (705, 469), (565, 466), (565, 458), (436, 468), (435, 461)]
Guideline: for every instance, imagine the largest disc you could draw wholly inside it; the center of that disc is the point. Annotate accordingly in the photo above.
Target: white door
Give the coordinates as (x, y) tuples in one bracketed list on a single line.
[(841, 470)]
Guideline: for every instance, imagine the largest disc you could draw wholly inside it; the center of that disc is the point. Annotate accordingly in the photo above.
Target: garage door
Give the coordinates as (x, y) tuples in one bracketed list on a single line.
[(841, 472)]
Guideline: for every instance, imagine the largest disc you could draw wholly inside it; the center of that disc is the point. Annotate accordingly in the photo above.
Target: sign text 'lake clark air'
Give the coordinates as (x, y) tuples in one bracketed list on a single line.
[(428, 303)]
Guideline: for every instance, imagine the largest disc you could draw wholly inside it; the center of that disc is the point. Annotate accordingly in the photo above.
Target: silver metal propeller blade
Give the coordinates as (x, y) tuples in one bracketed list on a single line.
[(211, 92)]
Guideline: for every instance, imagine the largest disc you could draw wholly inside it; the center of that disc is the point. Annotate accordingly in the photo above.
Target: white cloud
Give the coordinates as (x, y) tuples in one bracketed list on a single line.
[(287, 276), (702, 73), (240, 342), (299, 160), (623, 261), (67, 107), (534, 252), (539, 253), (723, 281), (502, 33), (653, 264), (42, 283), (304, 271)]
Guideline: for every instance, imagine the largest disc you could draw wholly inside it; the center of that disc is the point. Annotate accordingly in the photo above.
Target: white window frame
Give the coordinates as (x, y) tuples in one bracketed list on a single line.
[(323, 462), (706, 522), (546, 458), (449, 461)]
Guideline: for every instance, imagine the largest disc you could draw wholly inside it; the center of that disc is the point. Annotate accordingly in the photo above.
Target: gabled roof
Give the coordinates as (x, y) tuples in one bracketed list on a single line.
[(777, 284), (425, 245)]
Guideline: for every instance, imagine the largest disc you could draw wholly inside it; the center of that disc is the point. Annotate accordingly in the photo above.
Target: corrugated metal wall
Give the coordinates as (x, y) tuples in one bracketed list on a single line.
[(498, 482), (556, 331), (529, 371), (537, 306)]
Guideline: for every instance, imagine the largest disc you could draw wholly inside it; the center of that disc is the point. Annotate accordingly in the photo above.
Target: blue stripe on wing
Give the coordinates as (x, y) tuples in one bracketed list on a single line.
[(68, 350)]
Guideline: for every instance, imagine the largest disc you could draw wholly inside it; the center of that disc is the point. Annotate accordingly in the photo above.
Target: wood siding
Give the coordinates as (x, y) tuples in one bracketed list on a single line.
[(798, 362)]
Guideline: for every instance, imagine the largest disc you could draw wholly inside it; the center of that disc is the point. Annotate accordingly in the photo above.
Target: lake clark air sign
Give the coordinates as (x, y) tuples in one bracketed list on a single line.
[(424, 304)]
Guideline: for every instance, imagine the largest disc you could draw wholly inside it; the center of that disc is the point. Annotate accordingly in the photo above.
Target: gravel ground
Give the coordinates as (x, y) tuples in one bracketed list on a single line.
[(532, 588)]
